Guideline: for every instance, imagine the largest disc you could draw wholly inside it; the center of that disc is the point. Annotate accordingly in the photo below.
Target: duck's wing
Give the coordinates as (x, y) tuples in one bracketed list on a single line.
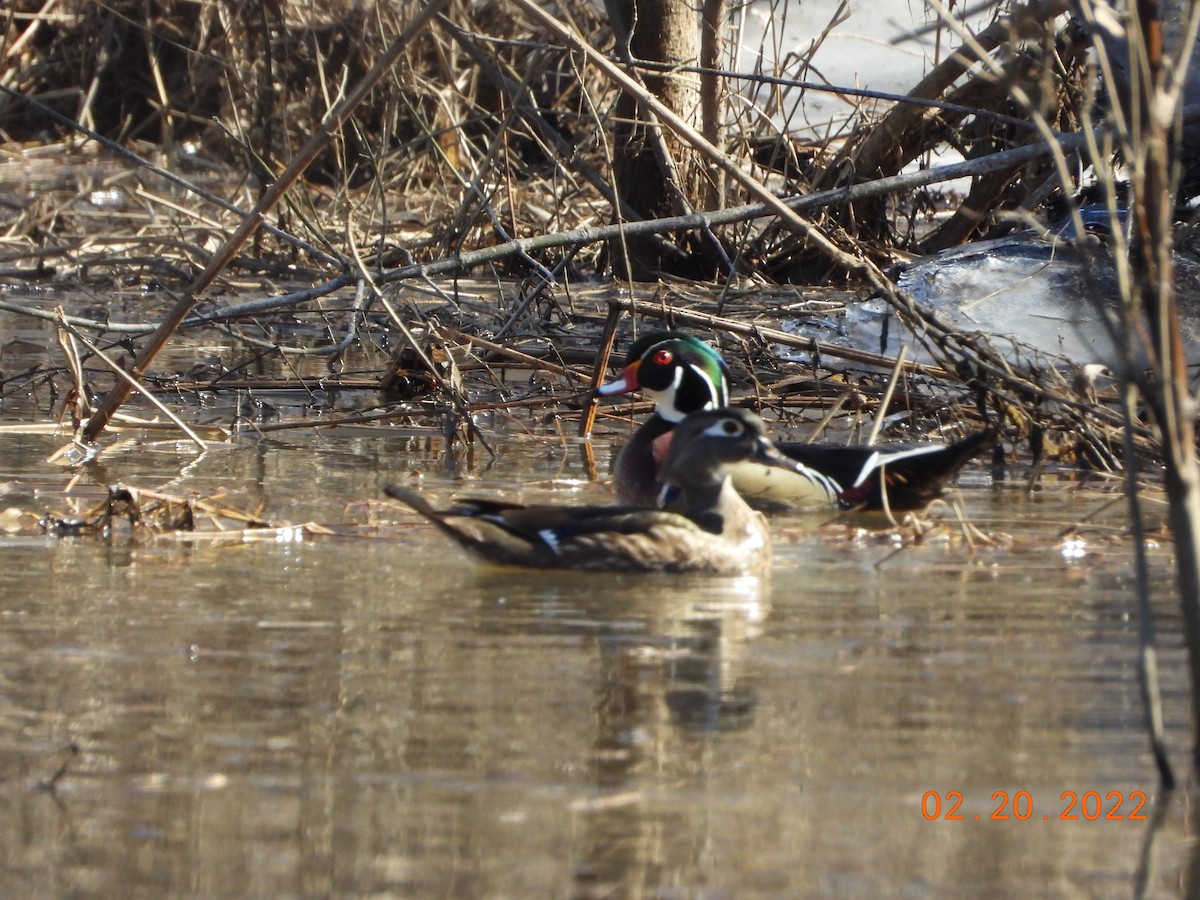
[(601, 537), (913, 474)]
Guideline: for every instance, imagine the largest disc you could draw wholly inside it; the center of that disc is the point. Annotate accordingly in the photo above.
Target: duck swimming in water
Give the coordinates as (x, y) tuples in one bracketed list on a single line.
[(682, 374), (702, 525)]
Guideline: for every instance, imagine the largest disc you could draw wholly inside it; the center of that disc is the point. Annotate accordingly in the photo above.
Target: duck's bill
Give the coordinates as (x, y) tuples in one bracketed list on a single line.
[(768, 454), (626, 383)]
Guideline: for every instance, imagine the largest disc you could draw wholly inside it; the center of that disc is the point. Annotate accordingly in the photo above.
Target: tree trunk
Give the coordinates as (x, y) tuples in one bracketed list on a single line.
[(656, 175)]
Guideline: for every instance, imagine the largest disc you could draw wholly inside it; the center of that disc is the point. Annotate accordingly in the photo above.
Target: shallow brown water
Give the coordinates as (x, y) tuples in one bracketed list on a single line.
[(373, 714), (378, 716)]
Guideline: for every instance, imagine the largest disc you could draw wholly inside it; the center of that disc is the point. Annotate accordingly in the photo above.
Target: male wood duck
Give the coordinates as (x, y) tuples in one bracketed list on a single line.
[(703, 525), (682, 374)]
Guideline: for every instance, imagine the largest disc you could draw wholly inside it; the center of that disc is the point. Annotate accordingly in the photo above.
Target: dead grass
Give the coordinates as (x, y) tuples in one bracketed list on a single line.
[(487, 133)]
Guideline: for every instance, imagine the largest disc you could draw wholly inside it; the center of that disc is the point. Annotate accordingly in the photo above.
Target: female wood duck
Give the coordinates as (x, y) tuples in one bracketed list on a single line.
[(683, 374), (703, 526)]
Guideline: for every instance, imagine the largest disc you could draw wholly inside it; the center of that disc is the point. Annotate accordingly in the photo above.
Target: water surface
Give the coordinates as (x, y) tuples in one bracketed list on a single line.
[(374, 714)]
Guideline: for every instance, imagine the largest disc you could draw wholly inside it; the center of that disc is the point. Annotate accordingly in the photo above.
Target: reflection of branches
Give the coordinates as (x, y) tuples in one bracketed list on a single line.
[(49, 785), (1144, 876), (70, 752)]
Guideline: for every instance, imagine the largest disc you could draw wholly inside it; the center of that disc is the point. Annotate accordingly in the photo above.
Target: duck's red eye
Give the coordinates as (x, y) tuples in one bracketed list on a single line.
[(662, 357)]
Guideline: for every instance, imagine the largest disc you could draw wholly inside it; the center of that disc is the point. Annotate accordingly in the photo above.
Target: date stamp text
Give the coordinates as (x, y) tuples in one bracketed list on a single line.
[(1072, 806)]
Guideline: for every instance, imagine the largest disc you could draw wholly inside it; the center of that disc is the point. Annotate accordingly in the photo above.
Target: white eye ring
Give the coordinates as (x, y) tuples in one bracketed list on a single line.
[(725, 428)]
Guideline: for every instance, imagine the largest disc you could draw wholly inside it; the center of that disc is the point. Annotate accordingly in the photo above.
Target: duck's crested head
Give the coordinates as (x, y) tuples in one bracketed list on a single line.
[(676, 339), (707, 441), (681, 373), (703, 449)]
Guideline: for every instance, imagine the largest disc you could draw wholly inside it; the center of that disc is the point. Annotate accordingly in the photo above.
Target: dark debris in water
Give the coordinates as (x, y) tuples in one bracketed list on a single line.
[(120, 510)]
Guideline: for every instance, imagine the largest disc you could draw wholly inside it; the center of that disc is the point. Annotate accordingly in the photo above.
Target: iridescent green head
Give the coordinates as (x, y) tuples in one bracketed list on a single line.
[(679, 372)]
